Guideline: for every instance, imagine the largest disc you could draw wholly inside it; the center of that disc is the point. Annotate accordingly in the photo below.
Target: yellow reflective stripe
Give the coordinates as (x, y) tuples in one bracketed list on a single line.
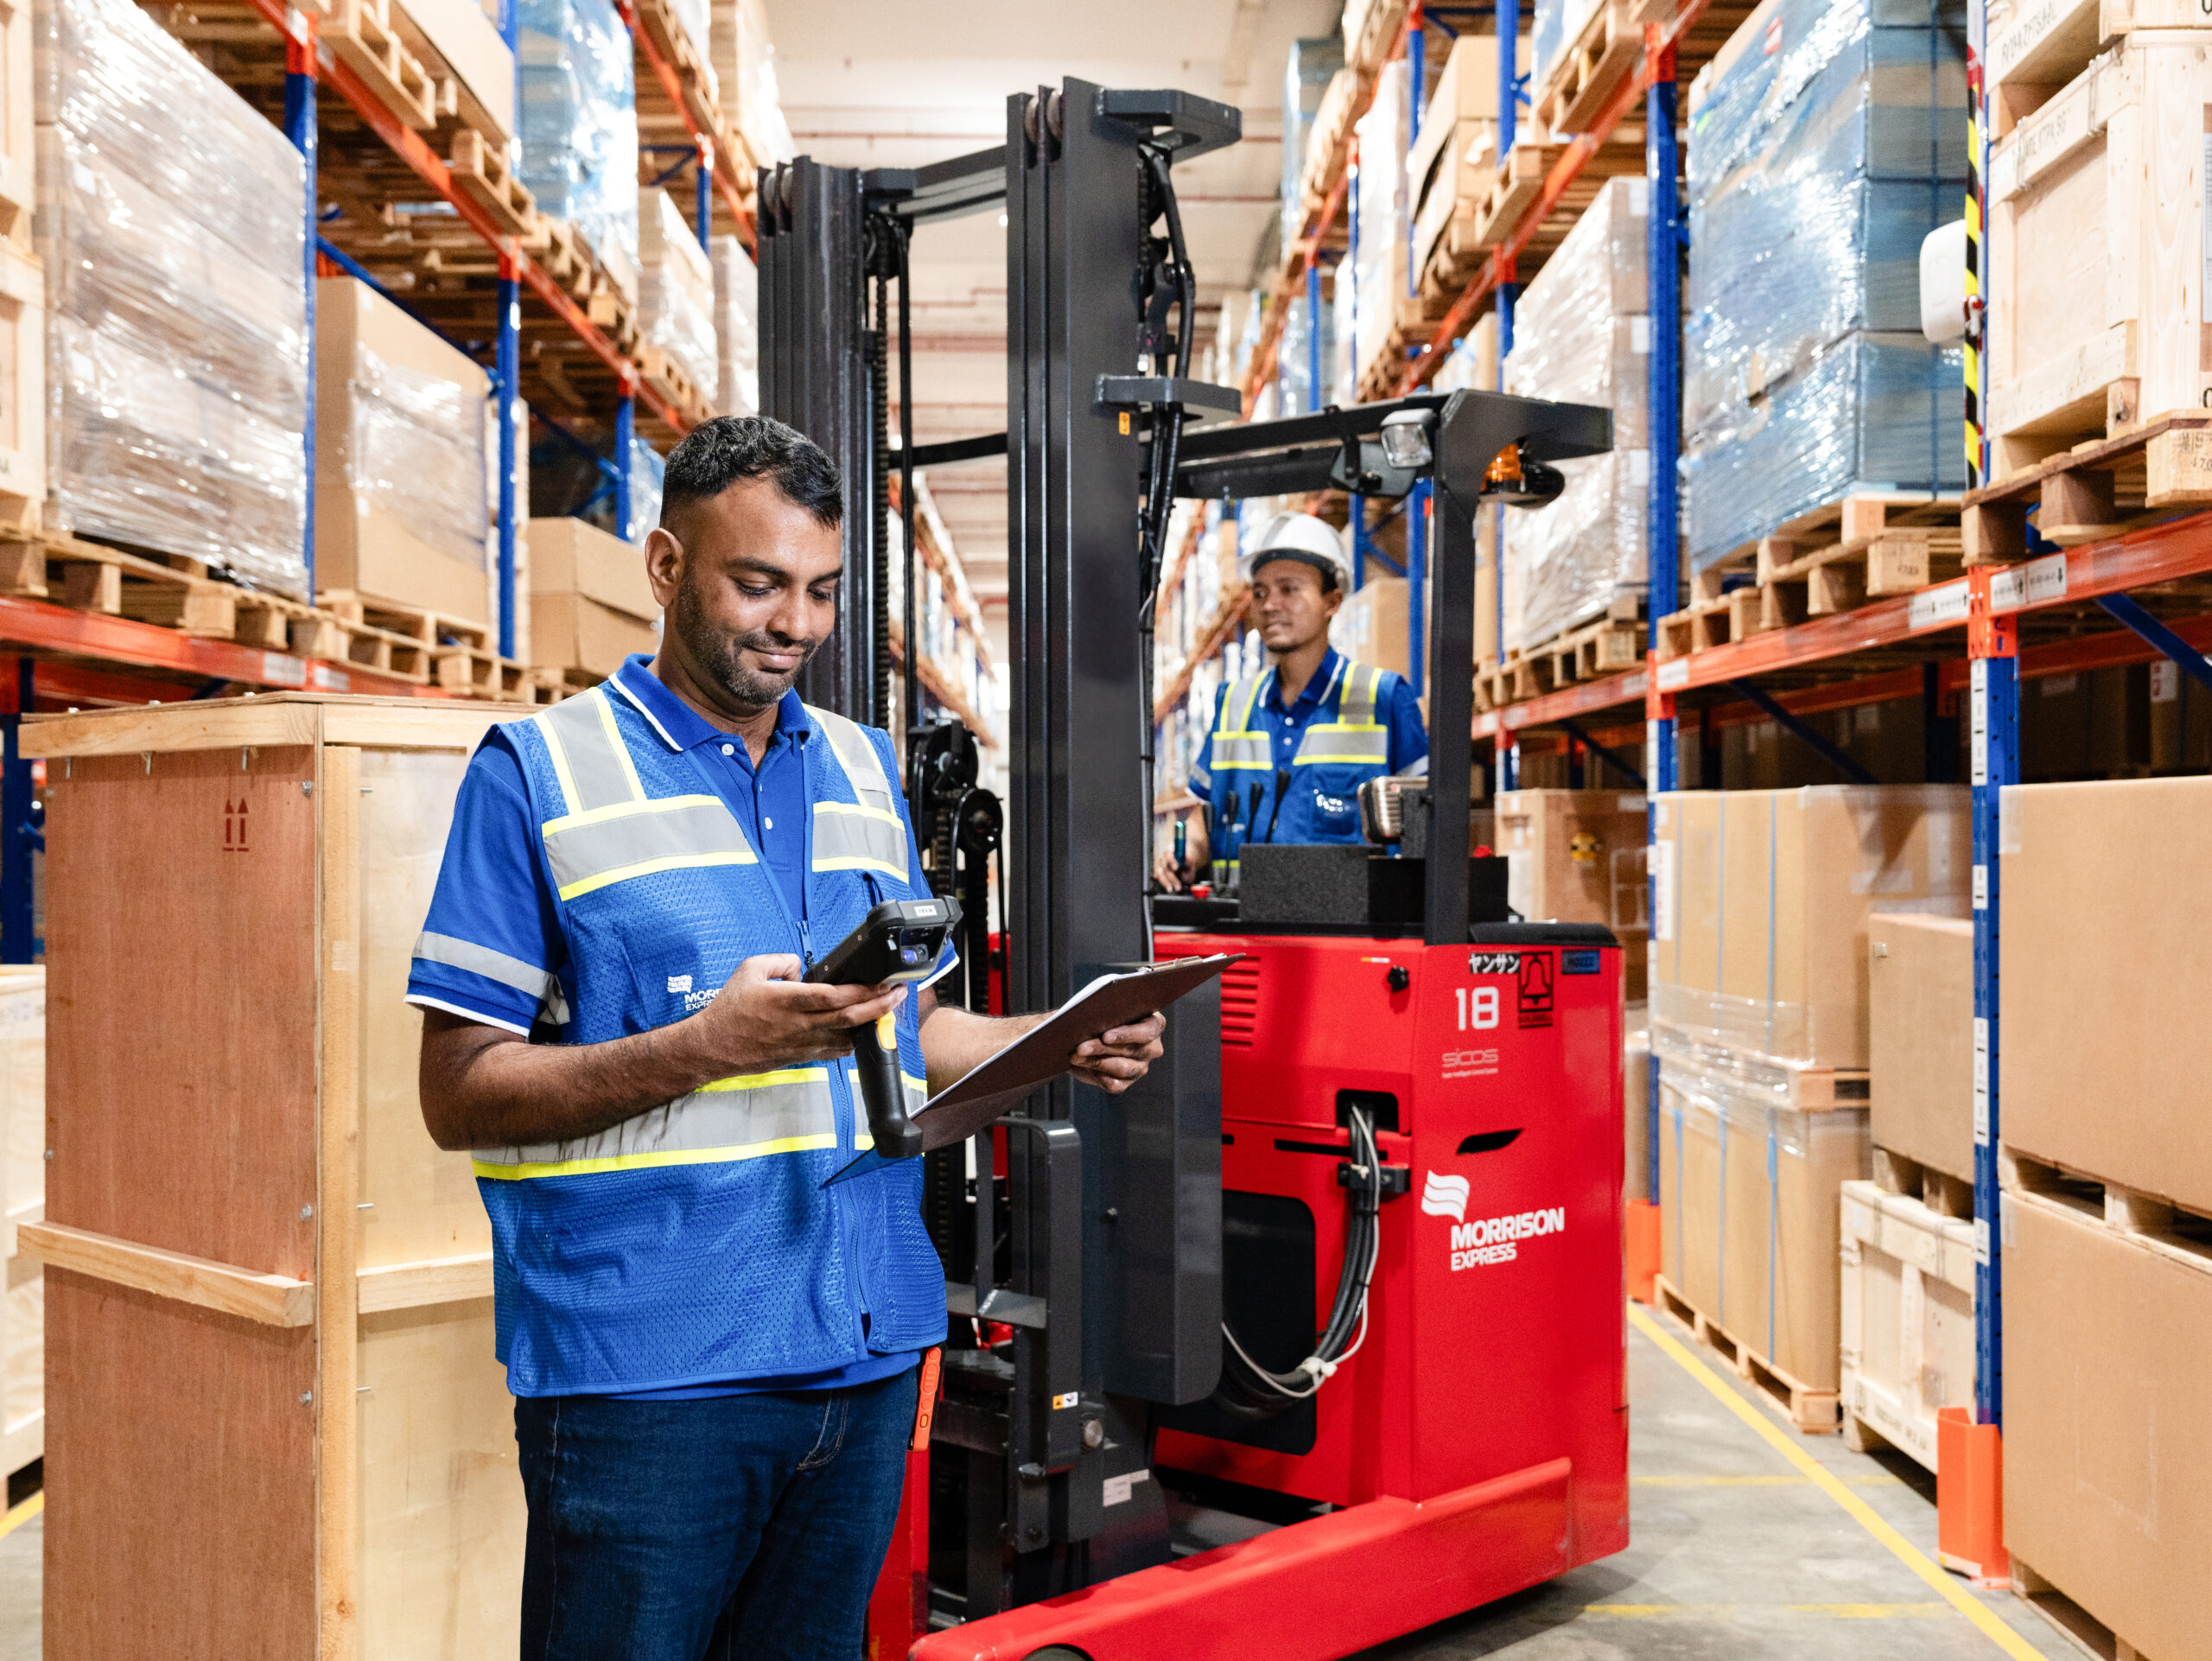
[(648, 1161), (623, 810), (621, 749), (560, 762), (861, 862), (648, 867), (864, 811), (761, 1080)]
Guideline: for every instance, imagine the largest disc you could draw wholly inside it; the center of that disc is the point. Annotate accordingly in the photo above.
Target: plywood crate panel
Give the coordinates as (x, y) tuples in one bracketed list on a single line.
[(1907, 1336), (2096, 238), (323, 1462)]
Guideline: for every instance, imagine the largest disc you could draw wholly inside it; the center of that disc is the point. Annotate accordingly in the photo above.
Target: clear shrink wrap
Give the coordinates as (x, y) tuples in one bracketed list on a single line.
[(418, 453), (1826, 140), (168, 219), (580, 121), (647, 471), (1382, 212), (1582, 335), (1312, 65), (737, 328), (675, 292)]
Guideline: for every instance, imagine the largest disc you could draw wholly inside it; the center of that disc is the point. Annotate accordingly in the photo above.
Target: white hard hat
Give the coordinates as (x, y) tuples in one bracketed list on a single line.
[(1303, 537)]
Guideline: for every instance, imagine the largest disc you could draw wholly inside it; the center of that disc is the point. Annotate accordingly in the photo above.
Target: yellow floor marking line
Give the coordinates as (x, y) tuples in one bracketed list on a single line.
[(1862, 1513), (1839, 1611), (1884, 1481), (22, 1513)]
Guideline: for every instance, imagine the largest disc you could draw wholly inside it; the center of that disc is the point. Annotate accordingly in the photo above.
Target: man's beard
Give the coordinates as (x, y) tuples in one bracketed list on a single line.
[(717, 654)]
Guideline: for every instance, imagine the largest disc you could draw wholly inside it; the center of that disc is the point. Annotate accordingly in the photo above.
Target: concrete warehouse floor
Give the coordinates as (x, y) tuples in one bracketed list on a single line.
[(1737, 1553)]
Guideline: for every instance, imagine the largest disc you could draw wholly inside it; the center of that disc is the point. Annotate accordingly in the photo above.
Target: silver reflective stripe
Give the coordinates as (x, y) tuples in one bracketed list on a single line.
[(589, 850), (588, 756), (456, 953), (1354, 735), (848, 839), (788, 1112), (866, 835)]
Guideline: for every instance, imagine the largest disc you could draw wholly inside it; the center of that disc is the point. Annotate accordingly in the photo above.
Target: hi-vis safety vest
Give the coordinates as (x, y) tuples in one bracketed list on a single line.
[(1336, 754), (695, 1242)]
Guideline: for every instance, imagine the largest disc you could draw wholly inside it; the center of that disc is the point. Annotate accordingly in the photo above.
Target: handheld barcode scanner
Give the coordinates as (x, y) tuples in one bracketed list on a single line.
[(898, 940)]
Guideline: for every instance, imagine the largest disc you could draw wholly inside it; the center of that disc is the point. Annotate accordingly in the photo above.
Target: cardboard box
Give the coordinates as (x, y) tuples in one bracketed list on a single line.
[(1579, 856), (1458, 176), (1750, 1213), (572, 631), (482, 69), (1370, 627), (2108, 1420), (1920, 1037), (2106, 979), (572, 557), (1760, 937), (1907, 1336), (401, 436)]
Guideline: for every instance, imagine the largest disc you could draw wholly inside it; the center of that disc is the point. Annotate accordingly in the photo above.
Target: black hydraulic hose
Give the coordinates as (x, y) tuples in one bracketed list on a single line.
[(1251, 1392)]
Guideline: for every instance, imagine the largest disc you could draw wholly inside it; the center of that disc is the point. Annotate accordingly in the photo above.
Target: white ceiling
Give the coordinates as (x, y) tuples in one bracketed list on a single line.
[(873, 83)]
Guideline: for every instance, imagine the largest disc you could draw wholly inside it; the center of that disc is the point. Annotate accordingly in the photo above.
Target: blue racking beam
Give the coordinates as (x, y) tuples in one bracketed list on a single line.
[(300, 128), (2191, 661), (1993, 691), (626, 427), (1662, 260), (1799, 729), (18, 923), (506, 380)]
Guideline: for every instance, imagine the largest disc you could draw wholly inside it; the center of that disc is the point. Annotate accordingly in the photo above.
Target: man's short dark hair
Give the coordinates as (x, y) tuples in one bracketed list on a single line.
[(728, 449)]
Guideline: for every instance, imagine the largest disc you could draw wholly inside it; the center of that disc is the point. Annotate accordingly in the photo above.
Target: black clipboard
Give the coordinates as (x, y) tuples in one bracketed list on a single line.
[(996, 1085)]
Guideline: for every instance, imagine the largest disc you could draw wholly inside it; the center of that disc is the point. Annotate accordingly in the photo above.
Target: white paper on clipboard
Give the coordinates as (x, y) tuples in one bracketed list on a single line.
[(997, 1084)]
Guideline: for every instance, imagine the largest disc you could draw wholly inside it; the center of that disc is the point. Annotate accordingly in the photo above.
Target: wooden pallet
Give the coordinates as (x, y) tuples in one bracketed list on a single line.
[(360, 34), (1890, 543), (1812, 1411), (1588, 71), (170, 590), (2099, 489), (1942, 1192), (673, 382), (2071, 1622), (481, 171), (450, 652), (1603, 647)]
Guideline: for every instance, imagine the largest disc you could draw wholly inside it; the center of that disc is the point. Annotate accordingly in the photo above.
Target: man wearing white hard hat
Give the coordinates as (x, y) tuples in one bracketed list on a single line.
[(1291, 746)]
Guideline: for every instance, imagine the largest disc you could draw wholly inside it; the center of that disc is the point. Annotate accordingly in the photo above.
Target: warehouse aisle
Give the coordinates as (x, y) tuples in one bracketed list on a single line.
[(1737, 1556)]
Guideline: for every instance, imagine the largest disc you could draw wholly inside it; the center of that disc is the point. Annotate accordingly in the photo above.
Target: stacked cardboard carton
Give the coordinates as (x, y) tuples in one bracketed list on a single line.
[(1759, 1029), (1579, 856), (403, 470), (590, 604), (2105, 1225)]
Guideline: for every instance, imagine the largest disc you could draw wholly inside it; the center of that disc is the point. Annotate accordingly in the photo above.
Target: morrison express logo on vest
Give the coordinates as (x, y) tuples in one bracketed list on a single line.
[(698, 1232)]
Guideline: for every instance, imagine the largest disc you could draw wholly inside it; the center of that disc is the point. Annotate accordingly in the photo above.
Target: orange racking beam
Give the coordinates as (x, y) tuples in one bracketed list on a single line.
[(1659, 43), (410, 148), (725, 164), (46, 628)]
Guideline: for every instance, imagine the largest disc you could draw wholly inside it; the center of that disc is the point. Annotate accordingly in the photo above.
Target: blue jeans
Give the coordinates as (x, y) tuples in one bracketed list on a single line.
[(735, 1526)]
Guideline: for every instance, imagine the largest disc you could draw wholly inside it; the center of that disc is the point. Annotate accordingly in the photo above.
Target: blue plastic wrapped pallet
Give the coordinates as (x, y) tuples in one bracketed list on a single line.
[(168, 221), (580, 123), (1826, 139)]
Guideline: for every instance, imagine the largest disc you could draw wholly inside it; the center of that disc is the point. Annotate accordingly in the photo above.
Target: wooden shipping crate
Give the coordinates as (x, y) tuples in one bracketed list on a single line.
[(1907, 1329), (18, 164), (22, 382), (22, 1200), (2097, 224), (274, 1423)]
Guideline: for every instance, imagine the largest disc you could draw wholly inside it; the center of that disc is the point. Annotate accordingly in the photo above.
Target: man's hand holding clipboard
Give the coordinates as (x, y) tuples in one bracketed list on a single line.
[(1082, 1029)]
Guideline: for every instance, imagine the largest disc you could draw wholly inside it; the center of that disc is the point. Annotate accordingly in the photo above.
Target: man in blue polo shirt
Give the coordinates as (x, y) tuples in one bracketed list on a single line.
[(1291, 746), (713, 1355)]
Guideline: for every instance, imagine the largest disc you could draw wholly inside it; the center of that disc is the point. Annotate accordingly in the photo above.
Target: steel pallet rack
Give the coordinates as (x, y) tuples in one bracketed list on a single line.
[(2021, 621), (92, 656)]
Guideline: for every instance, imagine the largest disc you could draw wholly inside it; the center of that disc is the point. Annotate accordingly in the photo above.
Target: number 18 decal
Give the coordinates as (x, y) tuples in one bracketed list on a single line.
[(1478, 1007)]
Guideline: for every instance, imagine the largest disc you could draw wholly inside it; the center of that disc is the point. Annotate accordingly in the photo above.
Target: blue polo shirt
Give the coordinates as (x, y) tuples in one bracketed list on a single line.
[(1322, 804), (492, 906)]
